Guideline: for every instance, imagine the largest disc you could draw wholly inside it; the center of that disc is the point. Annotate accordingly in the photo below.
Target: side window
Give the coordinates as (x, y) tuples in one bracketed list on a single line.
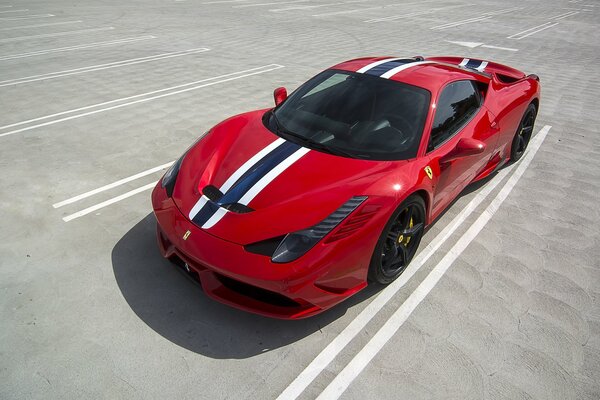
[(457, 104)]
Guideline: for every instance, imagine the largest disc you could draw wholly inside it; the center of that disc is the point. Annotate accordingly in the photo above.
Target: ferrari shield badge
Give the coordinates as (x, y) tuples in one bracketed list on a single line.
[(429, 172), (187, 235)]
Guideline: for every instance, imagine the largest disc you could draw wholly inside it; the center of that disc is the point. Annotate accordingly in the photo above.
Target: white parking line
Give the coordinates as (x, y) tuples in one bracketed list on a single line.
[(91, 68), (5, 6), (356, 10), (414, 14), (531, 31), (489, 46), (170, 92), (338, 344), (316, 6), (45, 35), (39, 25), (108, 202), (77, 47), (341, 382), (482, 17), (270, 4), (12, 11), (27, 17), (112, 185), (472, 45), (458, 23), (224, 1), (567, 15)]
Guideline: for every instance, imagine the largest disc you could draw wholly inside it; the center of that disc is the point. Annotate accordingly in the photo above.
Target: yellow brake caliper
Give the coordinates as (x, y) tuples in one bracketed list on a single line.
[(401, 238)]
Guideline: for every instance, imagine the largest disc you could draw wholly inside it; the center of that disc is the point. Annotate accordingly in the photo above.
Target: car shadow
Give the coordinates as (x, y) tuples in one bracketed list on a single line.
[(174, 306)]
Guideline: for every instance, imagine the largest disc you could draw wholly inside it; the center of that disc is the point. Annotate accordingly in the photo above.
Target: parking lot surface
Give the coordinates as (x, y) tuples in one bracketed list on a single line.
[(98, 97)]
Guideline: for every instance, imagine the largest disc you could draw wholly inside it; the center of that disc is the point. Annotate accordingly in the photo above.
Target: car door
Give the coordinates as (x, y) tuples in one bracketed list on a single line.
[(459, 114)]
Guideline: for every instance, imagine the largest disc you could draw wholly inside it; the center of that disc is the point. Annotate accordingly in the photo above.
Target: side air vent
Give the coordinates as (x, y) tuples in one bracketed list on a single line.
[(264, 247)]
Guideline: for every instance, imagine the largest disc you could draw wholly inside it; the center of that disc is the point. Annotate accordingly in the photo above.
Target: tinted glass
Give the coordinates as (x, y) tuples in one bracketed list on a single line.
[(457, 104), (354, 115)]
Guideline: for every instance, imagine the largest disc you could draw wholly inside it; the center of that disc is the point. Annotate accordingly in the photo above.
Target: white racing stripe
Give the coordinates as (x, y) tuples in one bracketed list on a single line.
[(482, 66), (198, 206), (215, 218), (111, 185), (338, 344), (170, 92), (100, 67), (341, 382), (250, 163), (237, 174), (271, 175), (400, 68), (376, 63), (260, 185)]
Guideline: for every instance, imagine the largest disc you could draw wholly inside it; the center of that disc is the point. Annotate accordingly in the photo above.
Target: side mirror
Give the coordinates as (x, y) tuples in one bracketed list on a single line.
[(464, 148), (279, 95)]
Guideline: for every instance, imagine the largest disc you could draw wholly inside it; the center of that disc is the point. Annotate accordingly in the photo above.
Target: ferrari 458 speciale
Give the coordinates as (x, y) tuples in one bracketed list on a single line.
[(287, 211)]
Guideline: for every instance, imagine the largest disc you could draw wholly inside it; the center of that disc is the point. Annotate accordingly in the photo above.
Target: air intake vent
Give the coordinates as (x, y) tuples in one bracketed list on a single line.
[(212, 193)]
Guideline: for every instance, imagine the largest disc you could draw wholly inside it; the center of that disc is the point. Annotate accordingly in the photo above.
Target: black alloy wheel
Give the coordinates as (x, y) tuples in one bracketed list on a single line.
[(399, 241), (523, 135)]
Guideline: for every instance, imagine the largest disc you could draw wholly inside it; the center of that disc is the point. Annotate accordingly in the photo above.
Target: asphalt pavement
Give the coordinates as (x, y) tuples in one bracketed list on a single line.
[(98, 97)]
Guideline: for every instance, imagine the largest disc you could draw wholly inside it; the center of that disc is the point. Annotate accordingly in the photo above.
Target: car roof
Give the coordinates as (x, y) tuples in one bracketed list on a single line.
[(430, 73)]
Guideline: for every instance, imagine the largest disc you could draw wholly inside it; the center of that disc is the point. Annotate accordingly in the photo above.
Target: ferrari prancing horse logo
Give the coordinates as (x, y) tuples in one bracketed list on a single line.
[(429, 172), (187, 235)]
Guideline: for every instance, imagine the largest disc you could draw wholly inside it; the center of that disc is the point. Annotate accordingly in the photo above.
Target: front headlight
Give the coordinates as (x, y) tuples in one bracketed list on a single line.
[(296, 244), (170, 177)]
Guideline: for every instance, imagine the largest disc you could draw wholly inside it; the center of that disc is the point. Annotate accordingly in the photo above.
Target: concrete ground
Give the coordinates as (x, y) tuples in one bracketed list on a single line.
[(92, 92)]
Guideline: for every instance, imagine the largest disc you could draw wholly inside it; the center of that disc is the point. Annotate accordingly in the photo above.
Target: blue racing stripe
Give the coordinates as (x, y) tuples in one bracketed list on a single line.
[(205, 213), (246, 181), (473, 64), (385, 67), (260, 169)]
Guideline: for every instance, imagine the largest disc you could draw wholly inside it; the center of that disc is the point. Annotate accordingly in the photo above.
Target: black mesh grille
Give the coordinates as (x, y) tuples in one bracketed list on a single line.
[(253, 292)]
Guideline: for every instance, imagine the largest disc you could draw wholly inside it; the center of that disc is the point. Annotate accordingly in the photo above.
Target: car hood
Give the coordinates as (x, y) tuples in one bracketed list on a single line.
[(285, 187)]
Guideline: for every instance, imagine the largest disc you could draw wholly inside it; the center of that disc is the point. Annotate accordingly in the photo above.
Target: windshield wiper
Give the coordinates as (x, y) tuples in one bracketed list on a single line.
[(311, 143)]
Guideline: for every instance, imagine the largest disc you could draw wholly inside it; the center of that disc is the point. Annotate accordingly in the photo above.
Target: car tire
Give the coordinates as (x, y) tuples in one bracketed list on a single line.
[(523, 134), (399, 241)]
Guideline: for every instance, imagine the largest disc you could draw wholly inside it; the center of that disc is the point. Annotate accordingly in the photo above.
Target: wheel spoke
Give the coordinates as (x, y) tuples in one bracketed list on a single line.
[(527, 129), (413, 231), (393, 236), (521, 145), (399, 257)]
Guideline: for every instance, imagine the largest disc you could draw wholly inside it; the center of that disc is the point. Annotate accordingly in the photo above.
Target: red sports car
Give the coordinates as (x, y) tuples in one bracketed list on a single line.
[(287, 211)]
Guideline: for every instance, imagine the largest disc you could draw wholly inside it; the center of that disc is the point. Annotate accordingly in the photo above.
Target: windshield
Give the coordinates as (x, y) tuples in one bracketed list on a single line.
[(354, 115)]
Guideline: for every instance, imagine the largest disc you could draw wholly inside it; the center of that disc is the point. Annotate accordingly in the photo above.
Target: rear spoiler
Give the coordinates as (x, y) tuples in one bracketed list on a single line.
[(501, 72)]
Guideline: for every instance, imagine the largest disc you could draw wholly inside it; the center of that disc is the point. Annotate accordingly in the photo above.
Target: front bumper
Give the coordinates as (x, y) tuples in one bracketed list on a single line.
[(323, 277)]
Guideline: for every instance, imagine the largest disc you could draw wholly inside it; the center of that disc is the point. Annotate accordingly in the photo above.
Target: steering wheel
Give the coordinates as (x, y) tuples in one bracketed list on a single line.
[(400, 124)]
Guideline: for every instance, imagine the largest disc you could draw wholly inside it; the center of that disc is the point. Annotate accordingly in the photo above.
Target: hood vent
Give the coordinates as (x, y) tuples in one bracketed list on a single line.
[(215, 195)]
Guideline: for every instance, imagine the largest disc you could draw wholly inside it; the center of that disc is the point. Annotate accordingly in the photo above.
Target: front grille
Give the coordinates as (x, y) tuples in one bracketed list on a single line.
[(253, 292)]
